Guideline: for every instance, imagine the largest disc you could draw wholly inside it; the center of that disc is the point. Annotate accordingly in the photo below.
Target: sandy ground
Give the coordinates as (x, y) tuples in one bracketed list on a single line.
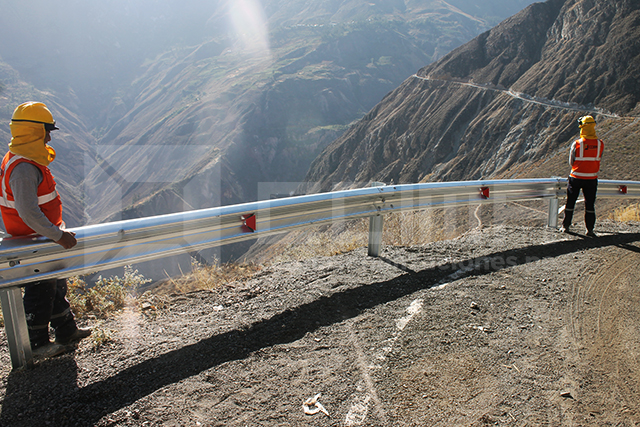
[(502, 326)]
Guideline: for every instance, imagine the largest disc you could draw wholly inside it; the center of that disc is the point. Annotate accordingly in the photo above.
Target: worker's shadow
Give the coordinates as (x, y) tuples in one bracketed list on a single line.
[(32, 395)]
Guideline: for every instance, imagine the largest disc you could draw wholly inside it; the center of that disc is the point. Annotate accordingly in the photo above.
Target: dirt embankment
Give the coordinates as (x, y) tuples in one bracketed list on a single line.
[(504, 325)]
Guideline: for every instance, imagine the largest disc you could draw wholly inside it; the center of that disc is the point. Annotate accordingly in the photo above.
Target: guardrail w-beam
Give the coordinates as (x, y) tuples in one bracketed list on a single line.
[(29, 259)]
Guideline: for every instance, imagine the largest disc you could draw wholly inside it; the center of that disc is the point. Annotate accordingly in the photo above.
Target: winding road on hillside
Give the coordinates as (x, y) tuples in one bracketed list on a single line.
[(551, 103)]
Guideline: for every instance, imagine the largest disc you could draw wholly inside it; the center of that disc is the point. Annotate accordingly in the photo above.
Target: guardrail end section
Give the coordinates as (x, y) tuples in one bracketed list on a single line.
[(15, 323)]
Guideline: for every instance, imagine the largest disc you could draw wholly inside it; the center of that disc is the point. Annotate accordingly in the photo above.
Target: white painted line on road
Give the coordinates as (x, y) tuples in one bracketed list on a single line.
[(360, 407), (413, 309), (358, 412)]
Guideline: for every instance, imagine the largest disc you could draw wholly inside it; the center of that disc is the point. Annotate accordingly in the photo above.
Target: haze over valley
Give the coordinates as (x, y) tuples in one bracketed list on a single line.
[(165, 106)]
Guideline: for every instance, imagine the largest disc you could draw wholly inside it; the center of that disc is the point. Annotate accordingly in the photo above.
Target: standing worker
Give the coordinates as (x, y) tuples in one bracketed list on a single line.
[(30, 204), (584, 157)]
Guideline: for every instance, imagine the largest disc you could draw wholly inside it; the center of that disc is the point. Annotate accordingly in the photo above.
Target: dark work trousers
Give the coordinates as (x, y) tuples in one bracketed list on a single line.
[(45, 303), (589, 188)]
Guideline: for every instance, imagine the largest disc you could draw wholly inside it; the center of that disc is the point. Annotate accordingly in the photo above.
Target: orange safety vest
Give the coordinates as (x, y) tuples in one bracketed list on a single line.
[(587, 158), (48, 198)]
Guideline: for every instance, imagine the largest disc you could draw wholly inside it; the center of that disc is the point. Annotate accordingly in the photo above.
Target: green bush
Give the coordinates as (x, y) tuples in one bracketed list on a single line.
[(106, 296)]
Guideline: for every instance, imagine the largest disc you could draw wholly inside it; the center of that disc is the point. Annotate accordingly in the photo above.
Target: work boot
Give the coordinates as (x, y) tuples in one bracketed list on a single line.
[(48, 350), (77, 335)]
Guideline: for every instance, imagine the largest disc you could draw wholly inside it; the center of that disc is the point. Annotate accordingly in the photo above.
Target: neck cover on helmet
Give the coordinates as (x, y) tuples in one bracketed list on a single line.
[(587, 127), (588, 131), (28, 141)]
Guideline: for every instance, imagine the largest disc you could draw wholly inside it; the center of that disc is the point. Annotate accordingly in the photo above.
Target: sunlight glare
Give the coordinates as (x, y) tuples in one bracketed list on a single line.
[(130, 321), (250, 25)]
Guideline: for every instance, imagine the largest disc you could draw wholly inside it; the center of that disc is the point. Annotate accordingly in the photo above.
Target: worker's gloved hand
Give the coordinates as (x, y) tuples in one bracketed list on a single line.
[(68, 240)]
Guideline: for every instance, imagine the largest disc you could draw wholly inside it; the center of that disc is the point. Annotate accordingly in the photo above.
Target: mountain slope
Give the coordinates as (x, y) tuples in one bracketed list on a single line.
[(587, 54), (499, 104)]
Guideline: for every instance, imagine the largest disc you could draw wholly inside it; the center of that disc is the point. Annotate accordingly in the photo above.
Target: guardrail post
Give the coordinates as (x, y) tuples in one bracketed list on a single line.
[(553, 213), (15, 323), (553, 208), (376, 224)]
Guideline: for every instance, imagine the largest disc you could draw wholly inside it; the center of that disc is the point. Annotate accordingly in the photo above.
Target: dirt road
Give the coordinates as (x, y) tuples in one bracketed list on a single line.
[(504, 325), (551, 103)]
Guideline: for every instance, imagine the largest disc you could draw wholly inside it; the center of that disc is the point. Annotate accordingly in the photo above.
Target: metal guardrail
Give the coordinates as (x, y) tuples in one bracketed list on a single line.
[(28, 259), (24, 260)]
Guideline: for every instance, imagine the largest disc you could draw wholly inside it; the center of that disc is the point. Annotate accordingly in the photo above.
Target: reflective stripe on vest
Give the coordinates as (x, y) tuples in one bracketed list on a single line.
[(587, 166), (584, 174), (12, 204), (41, 200), (5, 178), (48, 198)]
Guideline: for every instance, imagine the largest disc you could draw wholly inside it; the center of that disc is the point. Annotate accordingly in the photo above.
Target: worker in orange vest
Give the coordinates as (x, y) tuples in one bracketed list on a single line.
[(584, 157), (30, 204)]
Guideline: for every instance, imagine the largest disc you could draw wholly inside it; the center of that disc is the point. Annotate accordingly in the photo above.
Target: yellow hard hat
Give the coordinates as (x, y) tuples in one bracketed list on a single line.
[(35, 112), (585, 120)]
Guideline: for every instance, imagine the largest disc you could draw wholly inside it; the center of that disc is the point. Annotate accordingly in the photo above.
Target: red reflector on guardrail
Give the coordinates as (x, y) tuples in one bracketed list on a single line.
[(484, 192), (248, 223), (622, 189)]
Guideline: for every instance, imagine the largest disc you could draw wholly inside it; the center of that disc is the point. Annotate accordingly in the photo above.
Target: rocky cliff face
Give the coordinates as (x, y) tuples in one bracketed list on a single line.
[(501, 103)]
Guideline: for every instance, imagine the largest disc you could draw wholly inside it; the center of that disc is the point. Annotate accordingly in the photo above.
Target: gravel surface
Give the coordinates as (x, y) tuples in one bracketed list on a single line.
[(504, 325)]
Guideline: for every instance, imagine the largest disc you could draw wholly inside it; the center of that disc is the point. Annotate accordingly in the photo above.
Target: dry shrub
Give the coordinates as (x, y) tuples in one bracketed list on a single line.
[(204, 277), (629, 213), (101, 337), (106, 297), (320, 241), (415, 228), (399, 229)]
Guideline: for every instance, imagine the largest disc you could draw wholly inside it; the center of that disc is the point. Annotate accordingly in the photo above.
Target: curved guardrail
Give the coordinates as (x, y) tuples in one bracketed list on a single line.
[(102, 246), (28, 259)]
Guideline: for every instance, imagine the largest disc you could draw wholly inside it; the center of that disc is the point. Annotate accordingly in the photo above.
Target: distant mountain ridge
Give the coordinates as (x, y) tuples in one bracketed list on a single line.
[(586, 52), (474, 115)]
